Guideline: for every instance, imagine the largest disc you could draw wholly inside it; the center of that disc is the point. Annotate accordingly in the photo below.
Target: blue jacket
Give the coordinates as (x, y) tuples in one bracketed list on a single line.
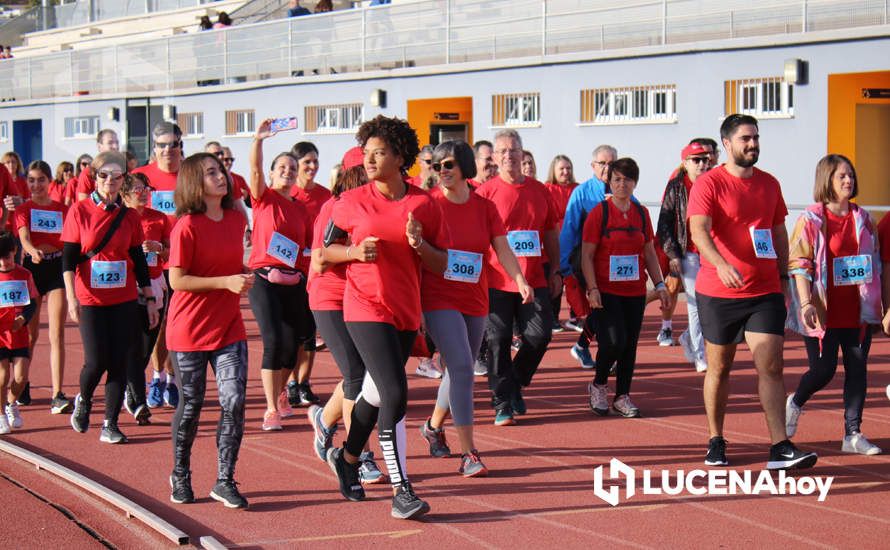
[(584, 198)]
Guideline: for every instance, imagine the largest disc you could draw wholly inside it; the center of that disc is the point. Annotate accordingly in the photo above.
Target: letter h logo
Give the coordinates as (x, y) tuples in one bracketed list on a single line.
[(616, 470)]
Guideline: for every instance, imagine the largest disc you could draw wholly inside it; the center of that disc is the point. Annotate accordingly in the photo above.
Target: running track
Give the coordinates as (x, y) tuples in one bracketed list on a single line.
[(540, 491)]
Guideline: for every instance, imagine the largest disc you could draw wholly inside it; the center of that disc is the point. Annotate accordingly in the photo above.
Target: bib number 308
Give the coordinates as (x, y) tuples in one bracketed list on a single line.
[(463, 266)]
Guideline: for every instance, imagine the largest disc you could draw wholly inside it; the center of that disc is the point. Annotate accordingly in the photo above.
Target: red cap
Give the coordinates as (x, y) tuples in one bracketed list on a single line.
[(693, 149), (352, 158)]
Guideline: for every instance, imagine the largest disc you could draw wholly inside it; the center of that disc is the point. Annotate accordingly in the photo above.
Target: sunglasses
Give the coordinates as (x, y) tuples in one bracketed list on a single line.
[(140, 189), (113, 175), (228, 159), (84, 163), (699, 160), (448, 165), (168, 145), (427, 161)]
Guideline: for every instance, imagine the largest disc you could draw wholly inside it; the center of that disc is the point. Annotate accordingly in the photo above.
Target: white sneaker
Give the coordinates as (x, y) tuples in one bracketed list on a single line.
[(857, 444), (479, 368), (574, 324), (701, 365), (625, 407), (598, 396), (665, 337), (686, 344), (792, 415), (4, 425), (13, 416), (427, 369)]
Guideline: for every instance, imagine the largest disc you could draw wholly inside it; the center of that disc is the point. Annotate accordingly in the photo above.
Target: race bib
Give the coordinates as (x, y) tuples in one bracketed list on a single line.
[(14, 293), (524, 243), (108, 274), (624, 268), (852, 270), (283, 249), (763, 243), (151, 258), (46, 221), (463, 266), (163, 202)]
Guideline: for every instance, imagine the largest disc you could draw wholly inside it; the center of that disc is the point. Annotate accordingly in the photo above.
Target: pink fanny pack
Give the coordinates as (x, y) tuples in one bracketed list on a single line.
[(278, 276)]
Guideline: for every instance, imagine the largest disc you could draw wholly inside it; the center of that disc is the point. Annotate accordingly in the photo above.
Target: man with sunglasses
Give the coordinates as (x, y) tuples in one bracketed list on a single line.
[(425, 162), (239, 184), (106, 140)]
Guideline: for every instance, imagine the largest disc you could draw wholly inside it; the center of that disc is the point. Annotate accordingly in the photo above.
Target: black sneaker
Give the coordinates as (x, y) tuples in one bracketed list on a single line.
[(436, 438), (347, 474), (181, 489), (784, 455), (518, 403), (142, 415), (25, 397), (61, 404), (226, 491), (406, 505), (716, 452), (80, 418), (306, 396), (111, 434), (293, 394), (130, 402)]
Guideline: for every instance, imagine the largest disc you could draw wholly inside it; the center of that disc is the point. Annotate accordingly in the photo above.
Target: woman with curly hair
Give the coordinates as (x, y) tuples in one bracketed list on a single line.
[(394, 228)]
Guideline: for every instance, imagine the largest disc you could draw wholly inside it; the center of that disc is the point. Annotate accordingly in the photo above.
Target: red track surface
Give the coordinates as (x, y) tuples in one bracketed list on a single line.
[(539, 493)]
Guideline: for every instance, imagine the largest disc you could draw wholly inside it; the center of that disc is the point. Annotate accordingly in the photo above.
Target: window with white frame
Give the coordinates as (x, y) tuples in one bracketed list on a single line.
[(240, 123), (769, 97), (339, 118), (191, 124), (651, 104), (516, 110), (4, 131), (81, 126)]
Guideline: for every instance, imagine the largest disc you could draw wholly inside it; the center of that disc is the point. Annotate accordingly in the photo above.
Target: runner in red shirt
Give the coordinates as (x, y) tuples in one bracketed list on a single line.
[(312, 196), (106, 140), (455, 304), (833, 253), (532, 226), (208, 277), (560, 182), (38, 222), (101, 286), (58, 187), (395, 228), (278, 299), (613, 254), (17, 308), (737, 221), (156, 246), (15, 190)]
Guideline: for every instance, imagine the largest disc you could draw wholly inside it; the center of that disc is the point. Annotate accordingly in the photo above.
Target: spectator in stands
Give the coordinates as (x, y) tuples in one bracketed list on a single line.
[(206, 24), (380, 2), (294, 9), (106, 140), (8, 53), (324, 6), (3, 52), (222, 21)]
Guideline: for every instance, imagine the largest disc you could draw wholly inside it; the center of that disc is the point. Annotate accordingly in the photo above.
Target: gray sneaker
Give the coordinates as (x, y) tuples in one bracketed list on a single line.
[(111, 434), (436, 438), (471, 465), (368, 472)]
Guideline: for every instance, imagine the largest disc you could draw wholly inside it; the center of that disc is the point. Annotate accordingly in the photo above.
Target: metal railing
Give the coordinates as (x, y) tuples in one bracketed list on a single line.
[(82, 12), (414, 34)]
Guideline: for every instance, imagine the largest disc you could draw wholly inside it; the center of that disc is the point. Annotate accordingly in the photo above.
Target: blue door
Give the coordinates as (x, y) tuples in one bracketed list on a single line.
[(27, 139)]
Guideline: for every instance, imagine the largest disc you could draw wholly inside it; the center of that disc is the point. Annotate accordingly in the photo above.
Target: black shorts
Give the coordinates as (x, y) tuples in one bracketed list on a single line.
[(725, 320), (47, 274), (6, 354), (308, 319)]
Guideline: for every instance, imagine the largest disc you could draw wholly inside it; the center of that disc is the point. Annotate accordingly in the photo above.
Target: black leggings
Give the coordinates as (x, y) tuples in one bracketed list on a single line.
[(589, 332), (823, 366), (279, 312), (384, 351), (618, 331), (138, 359), (108, 336), (336, 337)]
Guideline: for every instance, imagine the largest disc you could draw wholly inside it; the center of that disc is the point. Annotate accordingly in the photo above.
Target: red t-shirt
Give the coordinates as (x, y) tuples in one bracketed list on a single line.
[(240, 188), (9, 310), (842, 310), (884, 237), (57, 191), (155, 227), (101, 280), (471, 225), (275, 213), (19, 186), (736, 207), (164, 184), (524, 206), (560, 194), (388, 289), (85, 182), (206, 321), (312, 200), (70, 191), (326, 289), (626, 236), (5, 181), (45, 226)]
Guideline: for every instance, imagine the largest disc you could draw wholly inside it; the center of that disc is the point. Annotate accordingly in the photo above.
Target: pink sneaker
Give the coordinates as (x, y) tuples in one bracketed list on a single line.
[(284, 408), (271, 421)]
